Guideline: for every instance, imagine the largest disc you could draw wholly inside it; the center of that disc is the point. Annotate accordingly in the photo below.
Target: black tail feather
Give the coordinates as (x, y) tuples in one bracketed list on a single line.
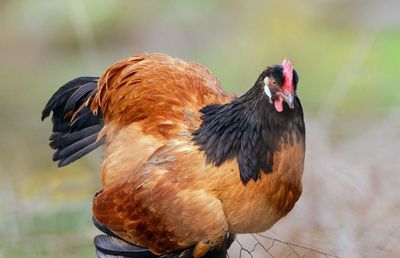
[(75, 127), (62, 140), (59, 99), (75, 99), (74, 147), (80, 153), (84, 118)]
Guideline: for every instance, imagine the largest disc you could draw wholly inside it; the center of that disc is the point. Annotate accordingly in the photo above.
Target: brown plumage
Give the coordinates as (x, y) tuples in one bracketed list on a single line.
[(185, 163), (147, 101)]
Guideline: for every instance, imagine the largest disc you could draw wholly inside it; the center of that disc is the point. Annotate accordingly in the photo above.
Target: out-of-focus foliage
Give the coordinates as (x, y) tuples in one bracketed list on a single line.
[(346, 52)]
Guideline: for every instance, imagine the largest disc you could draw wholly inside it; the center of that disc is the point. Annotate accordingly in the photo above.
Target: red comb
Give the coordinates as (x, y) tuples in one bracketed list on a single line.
[(288, 75)]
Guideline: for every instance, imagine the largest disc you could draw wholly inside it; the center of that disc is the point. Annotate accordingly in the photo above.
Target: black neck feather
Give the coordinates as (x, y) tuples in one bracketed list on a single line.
[(250, 130)]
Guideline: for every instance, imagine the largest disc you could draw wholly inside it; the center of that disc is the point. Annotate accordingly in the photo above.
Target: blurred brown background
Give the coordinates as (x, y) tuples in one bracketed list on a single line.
[(347, 54)]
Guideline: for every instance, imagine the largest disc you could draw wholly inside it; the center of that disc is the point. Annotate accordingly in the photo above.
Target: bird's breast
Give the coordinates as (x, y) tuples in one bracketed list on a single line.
[(258, 205)]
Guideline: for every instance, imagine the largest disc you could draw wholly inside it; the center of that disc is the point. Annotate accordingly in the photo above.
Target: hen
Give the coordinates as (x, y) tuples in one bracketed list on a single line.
[(185, 164)]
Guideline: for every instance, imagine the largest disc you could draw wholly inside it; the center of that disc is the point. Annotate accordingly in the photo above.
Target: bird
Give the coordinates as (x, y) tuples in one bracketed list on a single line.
[(186, 165)]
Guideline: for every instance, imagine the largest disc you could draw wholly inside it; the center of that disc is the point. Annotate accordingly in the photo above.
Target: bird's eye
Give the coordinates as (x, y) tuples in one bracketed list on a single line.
[(274, 82)]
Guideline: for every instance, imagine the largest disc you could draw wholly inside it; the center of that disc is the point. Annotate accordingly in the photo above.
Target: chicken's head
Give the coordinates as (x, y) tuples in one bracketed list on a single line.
[(280, 83)]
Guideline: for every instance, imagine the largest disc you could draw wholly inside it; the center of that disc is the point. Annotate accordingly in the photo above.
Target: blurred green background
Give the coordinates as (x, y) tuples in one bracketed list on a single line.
[(347, 54)]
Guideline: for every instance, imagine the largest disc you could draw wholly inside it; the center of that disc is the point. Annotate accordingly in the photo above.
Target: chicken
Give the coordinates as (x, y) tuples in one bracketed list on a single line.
[(185, 163)]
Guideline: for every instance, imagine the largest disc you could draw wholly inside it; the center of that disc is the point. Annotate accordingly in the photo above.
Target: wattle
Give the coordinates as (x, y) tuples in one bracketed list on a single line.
[(278, 104)]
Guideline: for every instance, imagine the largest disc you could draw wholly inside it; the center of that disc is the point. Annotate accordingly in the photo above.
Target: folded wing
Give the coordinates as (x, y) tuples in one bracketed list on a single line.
[(148, 101)]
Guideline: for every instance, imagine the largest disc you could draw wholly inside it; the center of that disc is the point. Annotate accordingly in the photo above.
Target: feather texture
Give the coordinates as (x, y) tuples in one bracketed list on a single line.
[(150, 100), (248, 130), (75, 127)]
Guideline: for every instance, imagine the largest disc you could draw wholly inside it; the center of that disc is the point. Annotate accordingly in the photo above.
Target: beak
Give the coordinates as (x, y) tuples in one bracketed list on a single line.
[(289, 98)]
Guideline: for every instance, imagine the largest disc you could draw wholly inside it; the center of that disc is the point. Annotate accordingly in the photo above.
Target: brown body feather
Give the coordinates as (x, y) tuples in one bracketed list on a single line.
[(150, 99), (174, 201)]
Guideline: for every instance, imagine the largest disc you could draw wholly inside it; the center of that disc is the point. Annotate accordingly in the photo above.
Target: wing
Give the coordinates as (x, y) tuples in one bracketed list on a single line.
[(147, 101), (160, 93)]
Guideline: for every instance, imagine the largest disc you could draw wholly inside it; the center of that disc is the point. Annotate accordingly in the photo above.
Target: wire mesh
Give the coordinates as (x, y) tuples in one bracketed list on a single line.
[(260, 246)]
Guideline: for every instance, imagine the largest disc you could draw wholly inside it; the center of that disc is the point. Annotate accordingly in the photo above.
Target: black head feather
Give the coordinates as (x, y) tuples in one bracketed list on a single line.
[(249, 129)]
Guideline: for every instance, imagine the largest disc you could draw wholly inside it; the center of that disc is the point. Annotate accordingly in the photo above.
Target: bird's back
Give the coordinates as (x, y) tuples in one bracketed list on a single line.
[(148, 101)]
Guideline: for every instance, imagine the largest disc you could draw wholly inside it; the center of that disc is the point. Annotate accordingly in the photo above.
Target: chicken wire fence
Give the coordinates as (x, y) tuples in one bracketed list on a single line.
[(260, 246)]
